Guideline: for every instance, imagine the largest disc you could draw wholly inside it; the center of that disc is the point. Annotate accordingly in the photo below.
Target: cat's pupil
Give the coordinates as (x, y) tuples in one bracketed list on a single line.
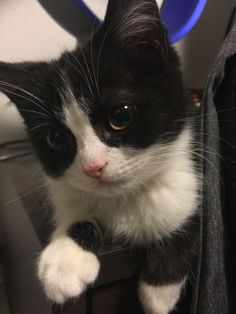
[(121, 117), (57, 139)]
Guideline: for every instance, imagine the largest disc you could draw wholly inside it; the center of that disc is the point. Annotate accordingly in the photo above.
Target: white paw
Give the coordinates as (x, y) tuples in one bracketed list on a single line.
[(159, 299), (65, 269)]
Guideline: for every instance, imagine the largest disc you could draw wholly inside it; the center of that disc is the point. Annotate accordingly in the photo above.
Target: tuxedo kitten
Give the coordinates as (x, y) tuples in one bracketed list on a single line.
[(114, 131)]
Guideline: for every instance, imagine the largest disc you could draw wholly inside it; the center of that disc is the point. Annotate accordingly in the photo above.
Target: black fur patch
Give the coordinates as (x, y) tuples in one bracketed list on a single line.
[(35, 89), (173, 259), (88, 235)]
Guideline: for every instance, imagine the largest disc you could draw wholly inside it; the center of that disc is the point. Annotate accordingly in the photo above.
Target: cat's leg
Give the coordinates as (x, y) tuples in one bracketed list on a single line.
[(167, 268), (69, 263), (160, 299)]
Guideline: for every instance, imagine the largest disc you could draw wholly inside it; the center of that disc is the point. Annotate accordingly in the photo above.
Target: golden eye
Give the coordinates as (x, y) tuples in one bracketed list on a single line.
[(121, 117)]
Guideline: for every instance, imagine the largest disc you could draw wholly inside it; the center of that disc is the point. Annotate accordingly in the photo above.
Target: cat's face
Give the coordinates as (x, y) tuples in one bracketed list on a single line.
[(107, 117)]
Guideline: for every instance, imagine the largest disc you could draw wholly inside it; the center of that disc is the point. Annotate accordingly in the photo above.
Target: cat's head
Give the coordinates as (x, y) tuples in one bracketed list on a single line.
[(106, 117)]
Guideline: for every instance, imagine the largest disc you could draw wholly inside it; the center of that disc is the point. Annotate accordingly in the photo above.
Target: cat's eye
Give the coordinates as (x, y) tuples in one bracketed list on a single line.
[(121, 117), (57, 139)]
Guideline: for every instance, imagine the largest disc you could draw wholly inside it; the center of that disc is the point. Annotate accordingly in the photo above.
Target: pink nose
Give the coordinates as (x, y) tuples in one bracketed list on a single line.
[(95, 171)]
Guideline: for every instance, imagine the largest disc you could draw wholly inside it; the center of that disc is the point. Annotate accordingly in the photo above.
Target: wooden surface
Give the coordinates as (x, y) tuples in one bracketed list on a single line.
[(26, 228)]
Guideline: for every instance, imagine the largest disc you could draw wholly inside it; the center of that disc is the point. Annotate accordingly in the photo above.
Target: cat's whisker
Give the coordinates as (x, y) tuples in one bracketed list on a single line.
[(23, 90), (212, 166), (100, 50), (23, 174), (26, 98), (2, 83), (83, 101), (38, 126), (83, 75), (202, 116), (91, 57), (87, 66), (24, 195), (34, 112), (198, 154), (220, 138), (66, 94), (90, 78)]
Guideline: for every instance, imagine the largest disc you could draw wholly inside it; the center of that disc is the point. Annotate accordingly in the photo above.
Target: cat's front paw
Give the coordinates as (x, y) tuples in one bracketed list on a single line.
[(65, 269)]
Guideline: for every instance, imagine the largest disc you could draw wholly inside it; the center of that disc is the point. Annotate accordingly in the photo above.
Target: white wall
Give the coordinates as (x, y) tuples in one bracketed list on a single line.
[(27, 32), (200, 47)]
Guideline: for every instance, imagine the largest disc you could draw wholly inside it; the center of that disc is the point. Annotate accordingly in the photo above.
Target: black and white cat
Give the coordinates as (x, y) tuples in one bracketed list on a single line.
[(115, 134)]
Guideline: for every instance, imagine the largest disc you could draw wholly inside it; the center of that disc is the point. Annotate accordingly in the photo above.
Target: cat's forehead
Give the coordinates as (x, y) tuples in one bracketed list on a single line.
[(107, 81)]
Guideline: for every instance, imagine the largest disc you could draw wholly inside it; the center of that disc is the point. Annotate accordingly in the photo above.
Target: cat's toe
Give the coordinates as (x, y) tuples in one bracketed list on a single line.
[(65, 269)]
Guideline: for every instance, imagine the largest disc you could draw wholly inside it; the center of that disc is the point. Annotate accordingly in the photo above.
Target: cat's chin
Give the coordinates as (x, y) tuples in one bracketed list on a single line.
[(105, 188)]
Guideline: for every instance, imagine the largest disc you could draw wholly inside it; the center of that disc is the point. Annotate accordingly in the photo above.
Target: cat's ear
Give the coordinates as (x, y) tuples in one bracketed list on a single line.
[(135, 25), (25, 84), (21, 82)]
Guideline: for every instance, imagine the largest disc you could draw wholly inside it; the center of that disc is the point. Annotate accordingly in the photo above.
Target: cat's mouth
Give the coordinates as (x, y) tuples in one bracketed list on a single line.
[(110, 183)]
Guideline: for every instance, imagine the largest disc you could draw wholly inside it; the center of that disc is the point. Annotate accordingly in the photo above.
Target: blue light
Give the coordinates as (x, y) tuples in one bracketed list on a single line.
[(83, 6), (178, 16), (181, 16)]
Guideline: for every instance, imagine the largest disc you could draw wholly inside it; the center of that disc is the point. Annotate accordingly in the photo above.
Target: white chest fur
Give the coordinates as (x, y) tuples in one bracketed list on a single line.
[(160, 207)]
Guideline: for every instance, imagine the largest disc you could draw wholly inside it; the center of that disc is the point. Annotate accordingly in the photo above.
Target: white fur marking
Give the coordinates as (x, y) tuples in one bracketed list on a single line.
[(65, 269), (159, 299)]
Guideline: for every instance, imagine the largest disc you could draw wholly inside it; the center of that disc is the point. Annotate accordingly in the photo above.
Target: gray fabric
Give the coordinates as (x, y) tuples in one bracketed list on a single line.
[(210, 293)]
